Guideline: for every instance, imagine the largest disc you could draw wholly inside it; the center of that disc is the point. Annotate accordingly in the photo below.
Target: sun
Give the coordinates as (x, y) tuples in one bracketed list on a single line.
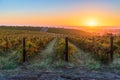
[(91, 23)]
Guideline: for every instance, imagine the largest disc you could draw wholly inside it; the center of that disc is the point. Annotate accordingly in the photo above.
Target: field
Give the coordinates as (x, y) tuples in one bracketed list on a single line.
[(45, 48)]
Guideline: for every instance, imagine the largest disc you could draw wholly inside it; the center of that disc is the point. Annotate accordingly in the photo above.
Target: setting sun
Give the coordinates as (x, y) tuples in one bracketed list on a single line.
[(91, 23)]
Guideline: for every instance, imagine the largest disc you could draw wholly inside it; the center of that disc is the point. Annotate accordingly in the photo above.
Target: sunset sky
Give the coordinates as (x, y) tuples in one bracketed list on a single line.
[(60, 12)]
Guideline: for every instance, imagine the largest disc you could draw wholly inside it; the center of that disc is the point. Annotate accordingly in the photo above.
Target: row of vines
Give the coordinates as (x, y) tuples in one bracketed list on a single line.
[(99, 46)]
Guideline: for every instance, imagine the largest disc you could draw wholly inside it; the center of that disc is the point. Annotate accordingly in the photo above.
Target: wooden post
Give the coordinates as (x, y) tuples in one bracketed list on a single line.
[(24, 51), (6, 44), (93, 41), (66, 49), (111, 48)]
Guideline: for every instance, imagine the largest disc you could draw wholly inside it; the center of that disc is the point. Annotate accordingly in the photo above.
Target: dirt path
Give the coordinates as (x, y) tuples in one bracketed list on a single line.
[(47, 54), (65, 74), (50, 48), (84, 58), (45, 58)]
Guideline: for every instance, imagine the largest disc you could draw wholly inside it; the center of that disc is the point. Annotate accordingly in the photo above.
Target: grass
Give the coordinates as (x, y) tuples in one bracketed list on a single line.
[(51, 57), (59, 54), (9, 60), (116, 63), (86, 59), (45, 58)]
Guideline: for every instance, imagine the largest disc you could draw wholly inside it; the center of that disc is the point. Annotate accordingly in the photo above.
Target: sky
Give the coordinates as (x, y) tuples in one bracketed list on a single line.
[(60, 12)]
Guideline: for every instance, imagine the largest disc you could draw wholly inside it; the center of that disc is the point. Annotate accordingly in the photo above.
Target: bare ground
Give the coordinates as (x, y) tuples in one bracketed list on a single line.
[(63, 74)]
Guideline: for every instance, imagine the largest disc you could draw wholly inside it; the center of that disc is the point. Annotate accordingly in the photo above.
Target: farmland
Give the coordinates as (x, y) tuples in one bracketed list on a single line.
[(94, 46), (98, 46), (38, 48)]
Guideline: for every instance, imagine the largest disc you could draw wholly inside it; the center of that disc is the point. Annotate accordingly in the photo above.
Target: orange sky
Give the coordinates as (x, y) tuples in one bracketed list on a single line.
[(72, 14)]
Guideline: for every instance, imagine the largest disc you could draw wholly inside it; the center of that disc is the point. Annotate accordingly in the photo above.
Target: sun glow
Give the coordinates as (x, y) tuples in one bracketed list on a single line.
[(91, 23)]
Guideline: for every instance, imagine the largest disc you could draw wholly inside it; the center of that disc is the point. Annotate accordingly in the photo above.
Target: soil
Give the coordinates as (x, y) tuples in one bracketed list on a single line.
[(60, 74)]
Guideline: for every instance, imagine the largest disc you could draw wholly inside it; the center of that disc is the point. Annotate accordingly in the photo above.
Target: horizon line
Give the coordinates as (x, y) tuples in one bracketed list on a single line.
[(67, 27)]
